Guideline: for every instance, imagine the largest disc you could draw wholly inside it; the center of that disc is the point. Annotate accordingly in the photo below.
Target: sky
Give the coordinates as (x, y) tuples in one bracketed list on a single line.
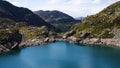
[(75, 8)]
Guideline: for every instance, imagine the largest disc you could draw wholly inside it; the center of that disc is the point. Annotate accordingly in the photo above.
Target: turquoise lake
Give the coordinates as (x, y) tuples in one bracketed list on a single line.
[(62, 55)]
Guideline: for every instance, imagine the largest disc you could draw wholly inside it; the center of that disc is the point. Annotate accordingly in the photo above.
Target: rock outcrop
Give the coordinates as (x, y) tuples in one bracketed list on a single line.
[(95, 41), (102, 42), (10, 40), (37, 42)]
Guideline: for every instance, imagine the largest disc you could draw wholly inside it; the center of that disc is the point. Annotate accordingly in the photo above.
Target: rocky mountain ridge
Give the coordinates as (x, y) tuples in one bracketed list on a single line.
[(60, 20), (20, 14)]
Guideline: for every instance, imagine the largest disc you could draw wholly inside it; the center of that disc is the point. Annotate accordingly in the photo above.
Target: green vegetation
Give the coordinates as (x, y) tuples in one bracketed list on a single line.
[(4, 34), (36, 33), (101, 24), (9, 34), (8, 27)]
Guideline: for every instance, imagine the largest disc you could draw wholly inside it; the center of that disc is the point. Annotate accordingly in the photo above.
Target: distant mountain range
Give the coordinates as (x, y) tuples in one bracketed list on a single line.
[(55, 16), (59, 19), (80, 18), (19, 14)]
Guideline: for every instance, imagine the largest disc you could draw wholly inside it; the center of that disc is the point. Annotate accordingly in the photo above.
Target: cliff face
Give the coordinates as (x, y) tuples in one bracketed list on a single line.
[(9, 40), (105, 24), (12, 33)]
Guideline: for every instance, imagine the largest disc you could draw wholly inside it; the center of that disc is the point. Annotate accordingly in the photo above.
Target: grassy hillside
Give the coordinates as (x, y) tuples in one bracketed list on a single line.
[(36, 33), (105, 24)]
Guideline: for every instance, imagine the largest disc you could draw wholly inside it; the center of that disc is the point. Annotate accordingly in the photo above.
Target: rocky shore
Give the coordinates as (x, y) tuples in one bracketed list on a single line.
[(95, 41), (3, 49), (87, 41), (91, 41), (107, 42), (36, 42)]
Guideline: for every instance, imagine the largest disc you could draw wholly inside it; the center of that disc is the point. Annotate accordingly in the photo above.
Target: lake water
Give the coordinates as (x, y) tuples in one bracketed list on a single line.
[(62, 55)]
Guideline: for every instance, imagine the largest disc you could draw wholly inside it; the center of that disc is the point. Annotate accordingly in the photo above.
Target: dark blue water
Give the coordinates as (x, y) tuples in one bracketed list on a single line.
[(62, 55)]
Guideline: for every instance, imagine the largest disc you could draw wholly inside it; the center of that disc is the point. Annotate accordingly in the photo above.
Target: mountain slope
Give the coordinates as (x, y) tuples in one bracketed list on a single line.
[(105, 24), (19, 14), (55, 16), (59, 19)]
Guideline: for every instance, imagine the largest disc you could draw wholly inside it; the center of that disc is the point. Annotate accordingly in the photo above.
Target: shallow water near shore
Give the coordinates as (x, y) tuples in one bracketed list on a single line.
[(62, 55)]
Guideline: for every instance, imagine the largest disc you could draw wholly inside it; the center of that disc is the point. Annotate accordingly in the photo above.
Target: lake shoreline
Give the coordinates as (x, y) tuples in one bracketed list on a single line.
[(86, 41), (65, 54), (73, 40)]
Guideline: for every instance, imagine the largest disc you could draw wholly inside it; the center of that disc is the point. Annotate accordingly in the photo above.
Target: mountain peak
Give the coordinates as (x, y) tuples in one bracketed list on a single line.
[(57, 19), (20, 14), (54, 16)]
